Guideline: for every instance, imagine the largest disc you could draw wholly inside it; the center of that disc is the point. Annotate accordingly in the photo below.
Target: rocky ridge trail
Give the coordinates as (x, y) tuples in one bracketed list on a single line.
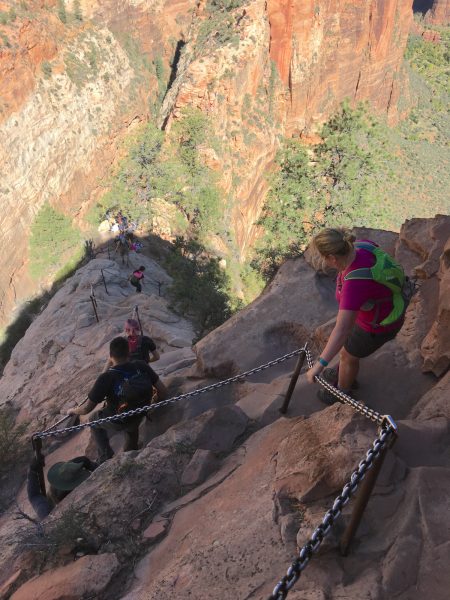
[(225, 489)]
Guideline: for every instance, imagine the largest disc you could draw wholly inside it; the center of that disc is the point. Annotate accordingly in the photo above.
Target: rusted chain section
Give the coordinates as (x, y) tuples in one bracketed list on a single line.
[(145, 409), (293, 573), (364, 410)]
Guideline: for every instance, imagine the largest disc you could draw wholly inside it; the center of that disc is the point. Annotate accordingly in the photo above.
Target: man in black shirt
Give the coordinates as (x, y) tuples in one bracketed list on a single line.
[(109, 386)]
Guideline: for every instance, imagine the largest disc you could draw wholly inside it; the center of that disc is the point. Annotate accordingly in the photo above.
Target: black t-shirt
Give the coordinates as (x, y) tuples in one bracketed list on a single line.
[(104, 387), (144, 346)]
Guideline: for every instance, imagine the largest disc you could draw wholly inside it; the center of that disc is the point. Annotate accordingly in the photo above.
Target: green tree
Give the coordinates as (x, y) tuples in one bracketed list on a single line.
[(62, 11), (200, 289), (329, 184), (291, 191), (345, 160), (191, 132), (77, 10)]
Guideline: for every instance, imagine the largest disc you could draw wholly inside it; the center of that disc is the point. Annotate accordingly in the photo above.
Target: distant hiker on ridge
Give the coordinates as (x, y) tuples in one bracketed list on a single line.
[(123, 248), (136, 279), (373, 294), (125, 386)]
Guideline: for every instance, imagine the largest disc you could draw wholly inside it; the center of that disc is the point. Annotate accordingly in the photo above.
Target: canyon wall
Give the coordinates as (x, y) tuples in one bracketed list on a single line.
[(69, 93), (284, 68)]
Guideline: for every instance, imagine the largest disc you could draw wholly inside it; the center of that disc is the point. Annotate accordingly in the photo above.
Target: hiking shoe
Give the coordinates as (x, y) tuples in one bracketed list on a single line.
[(331, 376), (326, 397)]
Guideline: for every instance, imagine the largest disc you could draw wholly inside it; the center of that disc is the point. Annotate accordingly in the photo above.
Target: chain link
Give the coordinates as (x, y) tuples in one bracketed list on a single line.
[(145, 409), (368, 412), (293, 573), (305, 554)]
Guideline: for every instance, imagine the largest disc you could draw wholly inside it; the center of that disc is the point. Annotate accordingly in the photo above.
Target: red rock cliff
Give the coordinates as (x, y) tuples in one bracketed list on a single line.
[(327, 51), (60, 130), (286, 69)]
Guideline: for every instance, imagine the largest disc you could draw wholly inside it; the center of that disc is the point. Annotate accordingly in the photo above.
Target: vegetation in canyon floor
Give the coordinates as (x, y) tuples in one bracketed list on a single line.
[(168, 168)]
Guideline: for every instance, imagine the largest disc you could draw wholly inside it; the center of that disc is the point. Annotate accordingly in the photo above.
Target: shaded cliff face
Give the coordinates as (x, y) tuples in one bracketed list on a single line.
[(436, 12), (284, 69), (440, 12), (69, 93)]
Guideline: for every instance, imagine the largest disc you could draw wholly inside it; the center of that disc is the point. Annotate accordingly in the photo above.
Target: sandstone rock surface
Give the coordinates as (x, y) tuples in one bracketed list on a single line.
[(236, 524), (69, 95), (289, 67), (87, 576)]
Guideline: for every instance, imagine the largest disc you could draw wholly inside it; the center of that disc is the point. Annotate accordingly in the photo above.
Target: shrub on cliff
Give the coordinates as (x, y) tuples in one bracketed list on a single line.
[(62, 11), (220, 26), (326, 185), (77, 10), (431, 60), (200, 289)]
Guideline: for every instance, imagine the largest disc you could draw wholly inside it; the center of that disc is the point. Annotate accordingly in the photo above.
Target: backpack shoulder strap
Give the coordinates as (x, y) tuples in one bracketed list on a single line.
[(365, 246), (362, 273)]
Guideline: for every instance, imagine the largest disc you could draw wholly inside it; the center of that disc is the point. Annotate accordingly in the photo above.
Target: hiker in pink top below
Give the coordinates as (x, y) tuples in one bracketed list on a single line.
[(369, 312)]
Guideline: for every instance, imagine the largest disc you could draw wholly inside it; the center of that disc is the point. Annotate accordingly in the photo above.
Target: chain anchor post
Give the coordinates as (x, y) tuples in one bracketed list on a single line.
[(364, 494), (293, 382), (94, 303), (104, 281), (36, 442)]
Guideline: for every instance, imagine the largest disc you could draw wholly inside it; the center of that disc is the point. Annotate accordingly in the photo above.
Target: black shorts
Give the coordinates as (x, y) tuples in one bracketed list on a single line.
[(361, 343)]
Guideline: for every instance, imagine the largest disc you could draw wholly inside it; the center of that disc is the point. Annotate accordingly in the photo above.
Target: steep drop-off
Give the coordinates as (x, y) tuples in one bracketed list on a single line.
[(69, 93), (259, 71), (279, 69)]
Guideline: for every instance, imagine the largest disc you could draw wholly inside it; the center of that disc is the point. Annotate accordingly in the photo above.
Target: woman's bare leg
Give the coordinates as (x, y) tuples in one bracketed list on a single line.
[(348, 370)]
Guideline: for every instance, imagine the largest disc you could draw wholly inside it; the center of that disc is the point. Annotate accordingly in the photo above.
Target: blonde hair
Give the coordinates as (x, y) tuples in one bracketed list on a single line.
[(338, 242)]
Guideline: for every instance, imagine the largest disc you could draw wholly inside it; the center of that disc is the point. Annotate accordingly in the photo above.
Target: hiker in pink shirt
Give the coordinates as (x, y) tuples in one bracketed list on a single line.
[(370, 313)]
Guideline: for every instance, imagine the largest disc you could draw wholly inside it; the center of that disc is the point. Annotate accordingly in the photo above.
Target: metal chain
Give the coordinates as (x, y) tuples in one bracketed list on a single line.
[(368, 412), (145, 409), (305, 554)]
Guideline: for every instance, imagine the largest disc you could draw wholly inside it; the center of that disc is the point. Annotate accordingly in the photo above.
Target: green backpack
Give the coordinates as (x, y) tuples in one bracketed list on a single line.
[(390, 274)]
